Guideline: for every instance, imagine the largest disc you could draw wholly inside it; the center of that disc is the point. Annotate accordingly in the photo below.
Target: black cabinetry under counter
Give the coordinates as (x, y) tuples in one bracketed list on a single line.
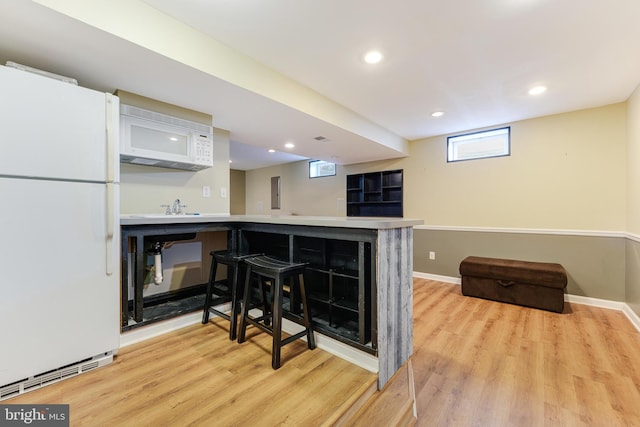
[(339, 279), (338, 286), (375, 194)]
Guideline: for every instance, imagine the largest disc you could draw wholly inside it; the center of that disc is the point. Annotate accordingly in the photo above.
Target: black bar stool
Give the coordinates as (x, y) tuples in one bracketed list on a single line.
[(278, 271), (231, 293)]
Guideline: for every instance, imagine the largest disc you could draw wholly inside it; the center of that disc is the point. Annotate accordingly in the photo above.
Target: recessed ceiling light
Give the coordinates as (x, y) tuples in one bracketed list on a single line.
[(289, 145), (373, 57), (271, 150), (437, 114), (537, 90), (230, 161)]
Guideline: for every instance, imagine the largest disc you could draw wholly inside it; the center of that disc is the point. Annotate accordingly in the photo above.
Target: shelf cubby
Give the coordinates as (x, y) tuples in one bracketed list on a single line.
[(337, 279)]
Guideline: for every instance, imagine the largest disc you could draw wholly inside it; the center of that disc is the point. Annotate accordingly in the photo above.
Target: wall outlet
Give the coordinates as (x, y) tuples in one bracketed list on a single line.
[(223, 192), (432, 255), (206, 191)]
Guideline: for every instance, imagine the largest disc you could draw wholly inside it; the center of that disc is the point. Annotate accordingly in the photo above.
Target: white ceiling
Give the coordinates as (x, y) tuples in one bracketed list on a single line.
[(475, 60)]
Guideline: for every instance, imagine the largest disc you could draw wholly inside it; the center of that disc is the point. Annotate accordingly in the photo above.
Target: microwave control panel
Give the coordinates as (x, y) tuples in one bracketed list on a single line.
[(203, 150)]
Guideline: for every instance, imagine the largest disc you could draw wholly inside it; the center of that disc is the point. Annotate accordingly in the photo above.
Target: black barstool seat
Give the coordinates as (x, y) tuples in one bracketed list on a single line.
[(230, 294), (278, 271)]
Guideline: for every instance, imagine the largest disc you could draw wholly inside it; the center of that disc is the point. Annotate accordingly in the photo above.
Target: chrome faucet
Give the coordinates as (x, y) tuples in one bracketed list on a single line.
[(175, 209)]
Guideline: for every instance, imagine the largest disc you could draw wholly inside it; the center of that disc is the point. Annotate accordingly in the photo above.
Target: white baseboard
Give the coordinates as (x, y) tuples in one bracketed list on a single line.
[(437, 277), (576, 299), (337, 348), (632, 316), (151, 331), (595, 302)]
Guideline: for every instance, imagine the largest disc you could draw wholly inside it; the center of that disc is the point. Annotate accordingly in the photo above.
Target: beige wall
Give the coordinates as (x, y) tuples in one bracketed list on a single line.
[(565, 172), (300, 195)]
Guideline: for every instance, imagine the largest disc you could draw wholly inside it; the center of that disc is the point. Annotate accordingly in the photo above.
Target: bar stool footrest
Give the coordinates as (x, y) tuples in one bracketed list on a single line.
[(293, 337)]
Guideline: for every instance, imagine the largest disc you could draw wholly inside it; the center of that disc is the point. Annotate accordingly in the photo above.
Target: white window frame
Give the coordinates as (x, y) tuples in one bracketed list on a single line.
[(320, 168), (479, 145)]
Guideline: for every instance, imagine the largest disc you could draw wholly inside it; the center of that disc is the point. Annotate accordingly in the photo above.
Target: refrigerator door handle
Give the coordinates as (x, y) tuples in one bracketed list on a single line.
[(112, 137), (112, 120), (111, 226)]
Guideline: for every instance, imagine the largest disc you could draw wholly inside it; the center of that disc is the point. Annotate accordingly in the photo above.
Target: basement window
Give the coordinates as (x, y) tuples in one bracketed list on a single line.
[(479, 145), (318, 168)]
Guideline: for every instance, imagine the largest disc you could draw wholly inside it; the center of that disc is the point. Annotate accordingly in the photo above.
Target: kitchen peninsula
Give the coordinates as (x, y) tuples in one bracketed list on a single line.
[(359, 270)]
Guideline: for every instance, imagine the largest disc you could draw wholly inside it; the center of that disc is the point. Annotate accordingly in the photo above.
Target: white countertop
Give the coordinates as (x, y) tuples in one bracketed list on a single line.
[(320, 221)]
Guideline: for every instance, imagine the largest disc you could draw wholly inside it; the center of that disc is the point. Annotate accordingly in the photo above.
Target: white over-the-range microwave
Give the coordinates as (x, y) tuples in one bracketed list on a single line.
[(154, 139)]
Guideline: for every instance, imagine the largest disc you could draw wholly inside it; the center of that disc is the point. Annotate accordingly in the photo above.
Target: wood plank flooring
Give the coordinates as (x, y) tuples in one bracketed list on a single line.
[(196, 376), (475, 363), (484, 363)]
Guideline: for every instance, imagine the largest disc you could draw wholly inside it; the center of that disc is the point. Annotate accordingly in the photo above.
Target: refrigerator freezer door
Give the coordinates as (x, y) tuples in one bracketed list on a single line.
[(51, 129), (58, 305)]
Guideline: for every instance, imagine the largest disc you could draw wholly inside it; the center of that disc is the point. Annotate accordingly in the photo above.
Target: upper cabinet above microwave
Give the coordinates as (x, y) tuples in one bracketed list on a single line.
[(155, 139)]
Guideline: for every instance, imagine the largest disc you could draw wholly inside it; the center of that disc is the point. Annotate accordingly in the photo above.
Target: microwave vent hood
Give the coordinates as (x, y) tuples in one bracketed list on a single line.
[(154, 139), (136, 160)]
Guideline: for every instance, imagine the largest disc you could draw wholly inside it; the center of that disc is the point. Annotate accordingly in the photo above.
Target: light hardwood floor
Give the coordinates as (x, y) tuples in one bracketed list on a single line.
[(196, 376), (484, 363), (475, 363)]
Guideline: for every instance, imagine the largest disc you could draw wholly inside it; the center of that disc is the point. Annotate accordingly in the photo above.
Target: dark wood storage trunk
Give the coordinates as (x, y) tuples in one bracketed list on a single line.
[(531, 284)]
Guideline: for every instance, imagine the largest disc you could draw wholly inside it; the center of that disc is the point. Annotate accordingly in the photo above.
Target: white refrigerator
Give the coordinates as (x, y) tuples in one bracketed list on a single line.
[(59, 229)]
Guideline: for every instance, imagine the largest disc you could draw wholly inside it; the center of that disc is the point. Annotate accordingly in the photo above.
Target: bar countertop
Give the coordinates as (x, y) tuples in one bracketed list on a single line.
[(376, 223)]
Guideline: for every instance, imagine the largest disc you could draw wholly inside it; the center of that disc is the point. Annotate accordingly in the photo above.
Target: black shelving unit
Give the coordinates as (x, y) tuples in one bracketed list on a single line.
[(337, 285), (338, 277), (375, 194)]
